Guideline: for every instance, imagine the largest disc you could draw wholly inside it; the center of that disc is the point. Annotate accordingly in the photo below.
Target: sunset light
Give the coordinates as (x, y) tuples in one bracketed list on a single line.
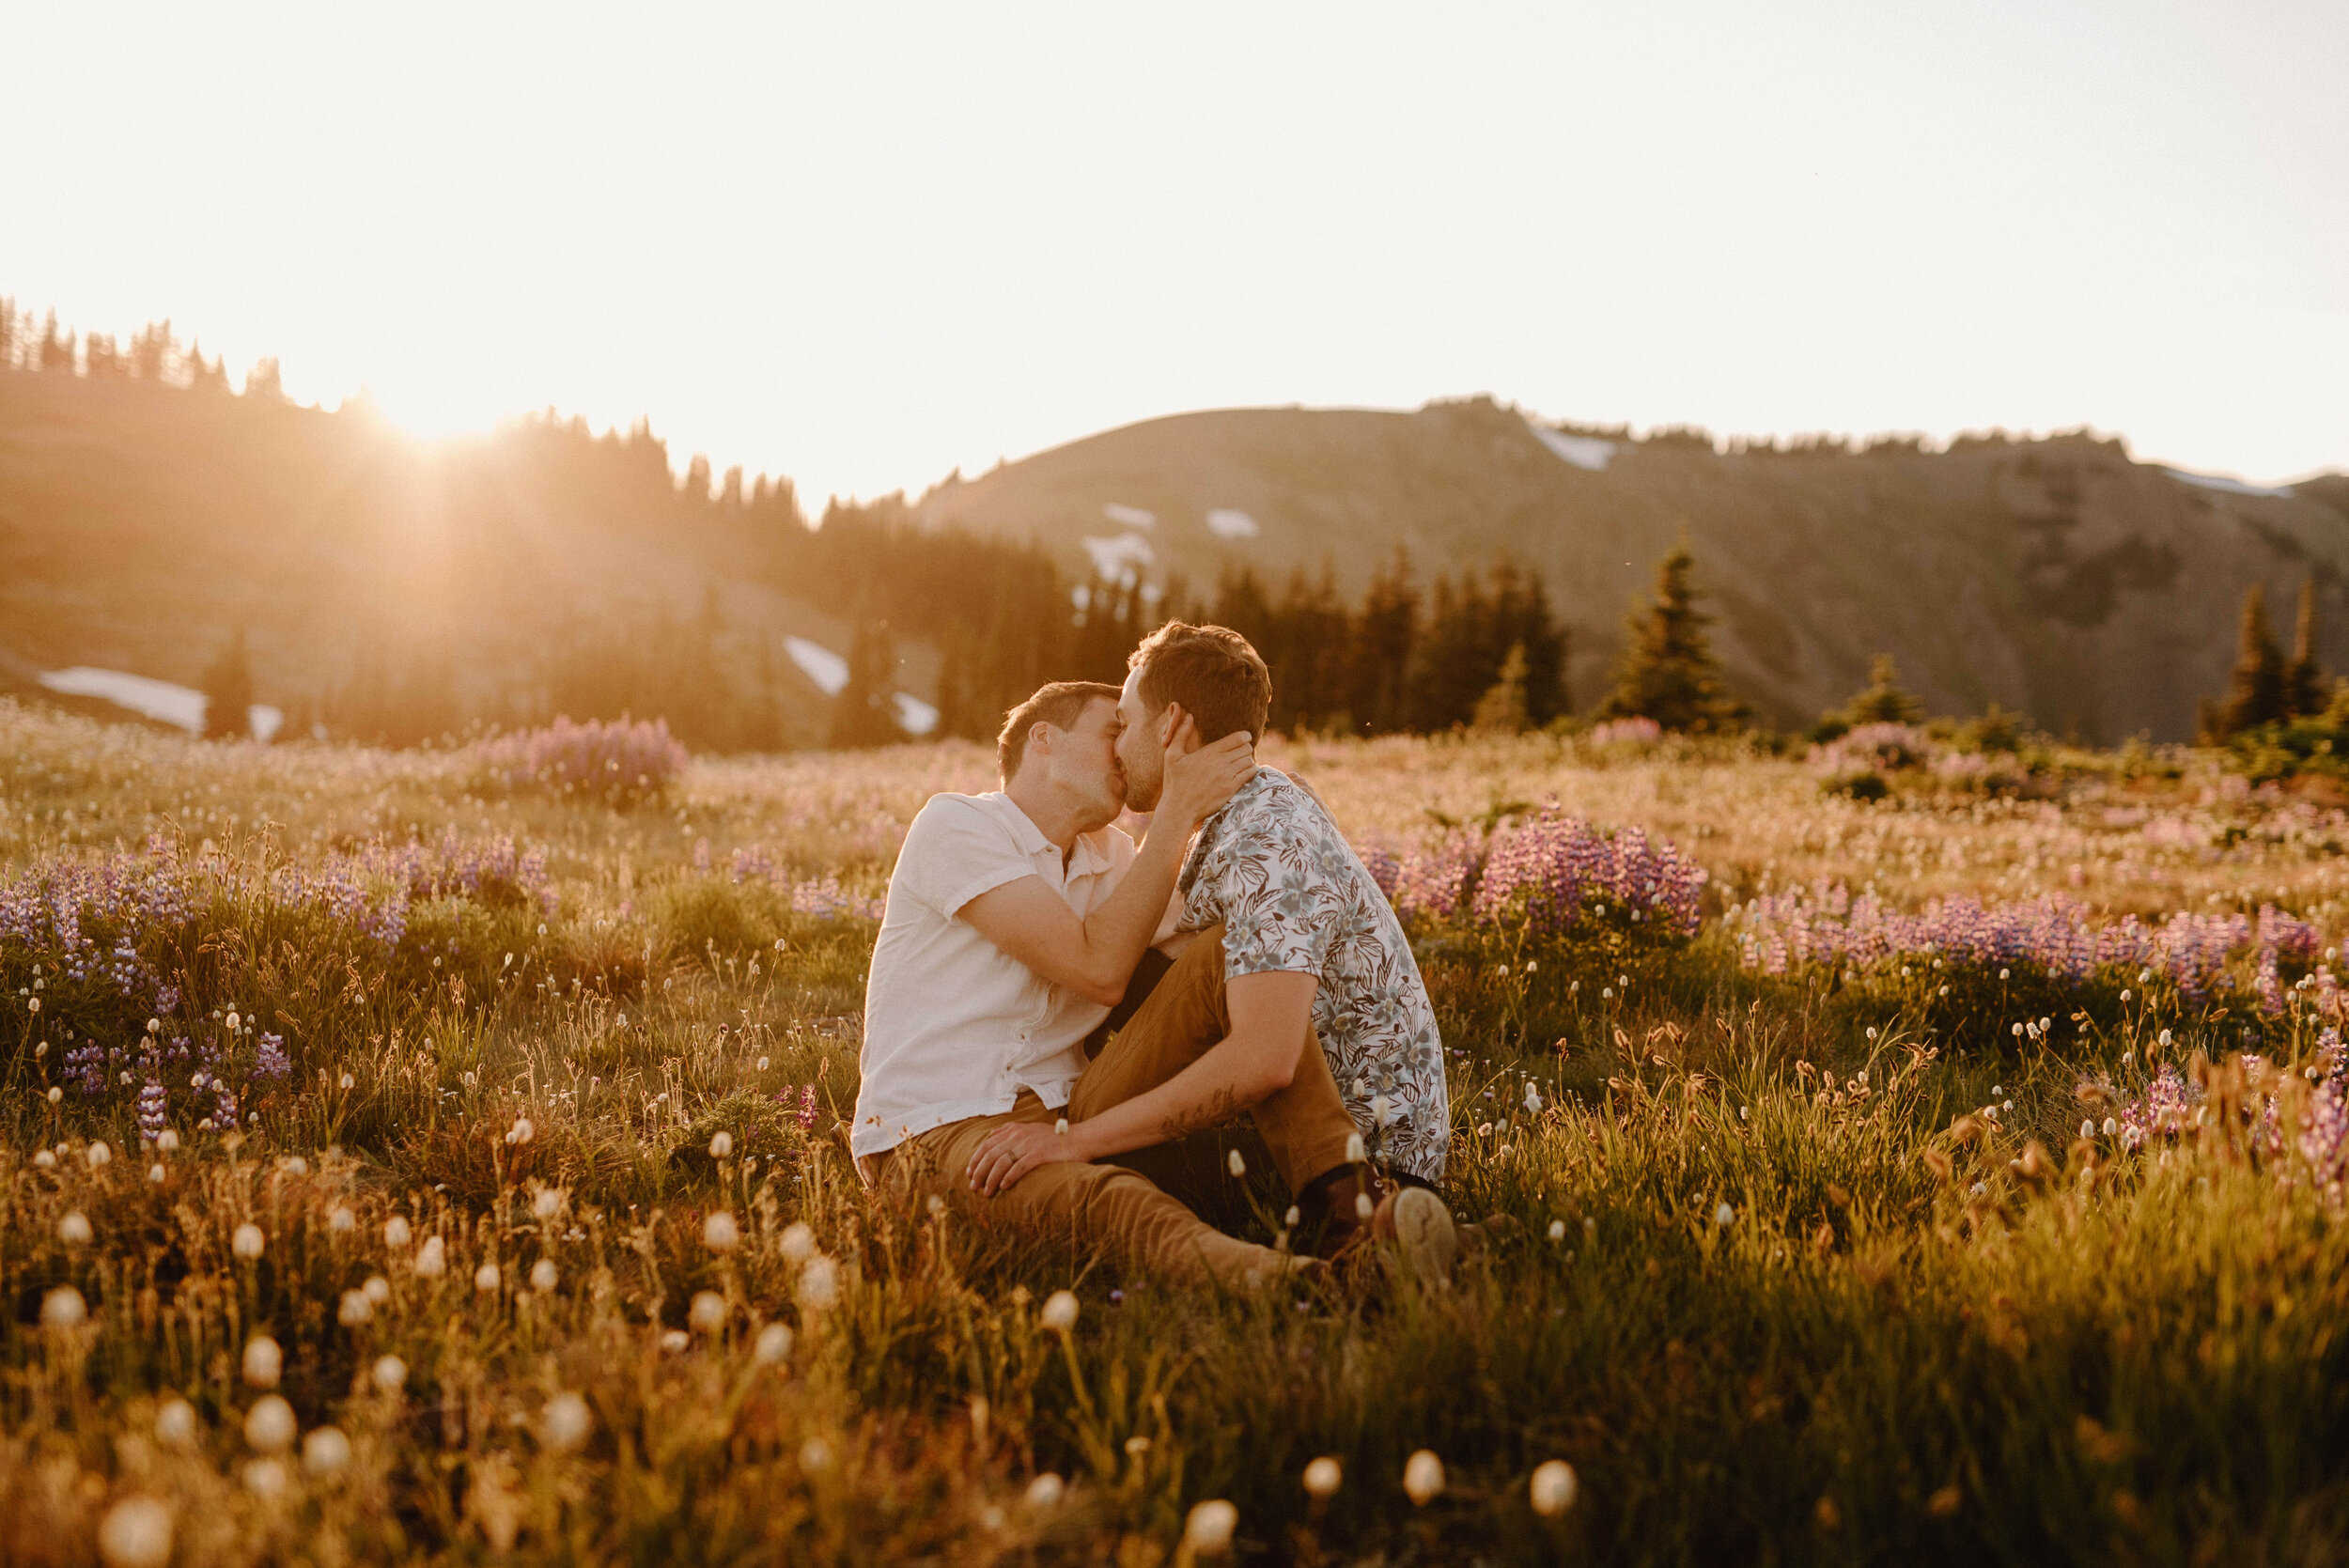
[(1190, 786)]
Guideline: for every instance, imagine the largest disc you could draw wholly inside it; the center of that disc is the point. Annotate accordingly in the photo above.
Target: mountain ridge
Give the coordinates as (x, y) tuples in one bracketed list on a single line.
[(2053, 574)]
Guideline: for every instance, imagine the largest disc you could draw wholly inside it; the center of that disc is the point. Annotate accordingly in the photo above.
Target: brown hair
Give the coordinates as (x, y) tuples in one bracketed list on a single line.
[(1061, 703), (1212, 671)]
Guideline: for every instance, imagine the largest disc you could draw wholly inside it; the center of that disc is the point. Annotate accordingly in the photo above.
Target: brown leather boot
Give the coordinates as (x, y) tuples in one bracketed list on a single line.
[(1344, 1201)]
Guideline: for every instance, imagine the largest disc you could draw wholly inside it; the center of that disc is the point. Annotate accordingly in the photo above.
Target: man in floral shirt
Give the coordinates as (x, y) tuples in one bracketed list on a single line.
[(1300, 916), (1291, 894)]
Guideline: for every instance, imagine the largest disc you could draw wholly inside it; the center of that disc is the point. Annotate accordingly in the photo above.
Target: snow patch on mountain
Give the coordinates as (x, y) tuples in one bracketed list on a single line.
[(2220, 482), (159, 700), (1582, 451), (819, 664), (1120, 559), (1230, 523), (1131, 516), (914, 716)]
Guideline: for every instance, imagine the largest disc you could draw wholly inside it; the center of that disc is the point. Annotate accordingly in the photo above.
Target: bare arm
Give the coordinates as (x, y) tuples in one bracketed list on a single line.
[(1094, 956), (1271, 1014)]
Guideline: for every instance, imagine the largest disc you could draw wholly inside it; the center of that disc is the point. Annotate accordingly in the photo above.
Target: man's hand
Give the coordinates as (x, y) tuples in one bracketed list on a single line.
[(1199, 782), (1013, 1150)]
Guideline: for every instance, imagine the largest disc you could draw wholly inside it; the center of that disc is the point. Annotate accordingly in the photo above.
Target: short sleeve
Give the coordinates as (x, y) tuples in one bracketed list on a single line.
[(1280, 906), (954, 852)]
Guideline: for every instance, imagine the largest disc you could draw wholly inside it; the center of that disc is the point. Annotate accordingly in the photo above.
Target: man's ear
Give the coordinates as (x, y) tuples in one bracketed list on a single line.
[(1041, 737), (1169, 722)]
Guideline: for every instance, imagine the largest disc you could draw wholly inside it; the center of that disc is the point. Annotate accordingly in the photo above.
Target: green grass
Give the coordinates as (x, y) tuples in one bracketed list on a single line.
[(1915, 1337)]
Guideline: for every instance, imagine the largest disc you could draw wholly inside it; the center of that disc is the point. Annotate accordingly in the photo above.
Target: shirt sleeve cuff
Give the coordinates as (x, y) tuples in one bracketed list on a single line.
[(988, 881)]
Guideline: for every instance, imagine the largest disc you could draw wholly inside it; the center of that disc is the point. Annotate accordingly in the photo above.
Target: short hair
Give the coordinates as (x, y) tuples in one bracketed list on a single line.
[(1059, 703), (1212, 671)]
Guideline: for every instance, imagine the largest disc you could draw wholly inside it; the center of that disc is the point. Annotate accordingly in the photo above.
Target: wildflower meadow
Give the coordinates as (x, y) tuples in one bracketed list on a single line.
[(437, 1155)]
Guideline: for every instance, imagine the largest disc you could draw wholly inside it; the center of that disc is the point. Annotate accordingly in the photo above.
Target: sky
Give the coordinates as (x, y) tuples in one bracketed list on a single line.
[(863, 244)]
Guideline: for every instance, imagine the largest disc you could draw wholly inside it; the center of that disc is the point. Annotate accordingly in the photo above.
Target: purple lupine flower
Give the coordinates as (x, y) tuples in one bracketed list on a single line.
[(1547, 875), (87, 1061), (620, 757), (1778, 932), (270, 1060), (823, 897), (807, 1108), (154, 1109), (2164, 1110), (1869, 747)]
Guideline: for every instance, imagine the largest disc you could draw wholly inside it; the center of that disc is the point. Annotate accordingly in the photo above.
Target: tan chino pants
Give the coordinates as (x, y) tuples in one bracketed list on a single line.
[(1305, 1126)]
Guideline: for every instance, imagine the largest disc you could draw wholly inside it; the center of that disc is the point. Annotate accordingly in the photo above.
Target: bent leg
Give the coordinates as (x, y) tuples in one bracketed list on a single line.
[(1090, 1205), (1305, 1124)]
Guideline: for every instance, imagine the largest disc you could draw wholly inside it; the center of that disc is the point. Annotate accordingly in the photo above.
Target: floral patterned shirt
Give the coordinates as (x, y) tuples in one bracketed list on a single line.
[(1293, 897)]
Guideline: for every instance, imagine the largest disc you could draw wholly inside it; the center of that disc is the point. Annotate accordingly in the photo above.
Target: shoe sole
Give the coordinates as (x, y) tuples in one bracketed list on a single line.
[(1424, 1235)]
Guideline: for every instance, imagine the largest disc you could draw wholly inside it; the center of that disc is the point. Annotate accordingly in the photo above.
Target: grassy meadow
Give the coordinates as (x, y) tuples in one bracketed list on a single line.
[(480, 1191)]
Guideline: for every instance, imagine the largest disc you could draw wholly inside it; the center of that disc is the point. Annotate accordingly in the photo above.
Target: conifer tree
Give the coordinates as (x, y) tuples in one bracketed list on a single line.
[(228, 692), (1378, 657), (1308, 653), (1521, 618), (1458, 660), (2304, 680), (1501, 708), (2256, 693), (150, 351), (1668, 672), (56, 351), (1883, 701)]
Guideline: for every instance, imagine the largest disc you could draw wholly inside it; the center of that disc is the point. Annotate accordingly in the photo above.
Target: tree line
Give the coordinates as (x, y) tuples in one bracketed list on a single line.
[(2268, 686), (154, 353)]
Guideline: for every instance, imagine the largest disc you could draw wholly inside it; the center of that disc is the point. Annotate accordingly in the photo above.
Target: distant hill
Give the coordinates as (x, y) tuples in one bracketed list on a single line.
[(2054, 575), (140, 522)]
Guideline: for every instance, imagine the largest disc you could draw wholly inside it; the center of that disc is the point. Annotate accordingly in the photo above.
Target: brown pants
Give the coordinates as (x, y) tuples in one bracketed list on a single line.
[(1305, 1126)]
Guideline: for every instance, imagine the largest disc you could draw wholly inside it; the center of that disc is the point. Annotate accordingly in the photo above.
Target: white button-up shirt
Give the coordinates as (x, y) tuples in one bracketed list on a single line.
[(955, 1026)]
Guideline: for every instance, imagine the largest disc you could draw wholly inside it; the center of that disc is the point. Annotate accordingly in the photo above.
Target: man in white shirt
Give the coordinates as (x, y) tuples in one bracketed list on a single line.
[(1014, 921)]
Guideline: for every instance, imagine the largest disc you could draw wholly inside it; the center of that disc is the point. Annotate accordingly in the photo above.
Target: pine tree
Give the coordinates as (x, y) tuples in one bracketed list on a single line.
[(56, 350), (1501, 708), (1459, 656), (150, 351), (2256, 693), (1884, 701), (1380, 647), (1667, 672), (1307, 655), (228, 692), (1521, 618), (2304, 680)]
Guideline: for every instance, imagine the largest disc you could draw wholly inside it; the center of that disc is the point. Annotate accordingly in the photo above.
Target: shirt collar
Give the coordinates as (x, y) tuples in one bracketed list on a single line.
[(1087, 856), (1255, 785)]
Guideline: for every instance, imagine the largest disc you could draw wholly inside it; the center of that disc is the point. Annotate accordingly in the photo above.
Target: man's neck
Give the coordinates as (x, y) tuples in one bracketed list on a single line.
[(1053, 817)]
